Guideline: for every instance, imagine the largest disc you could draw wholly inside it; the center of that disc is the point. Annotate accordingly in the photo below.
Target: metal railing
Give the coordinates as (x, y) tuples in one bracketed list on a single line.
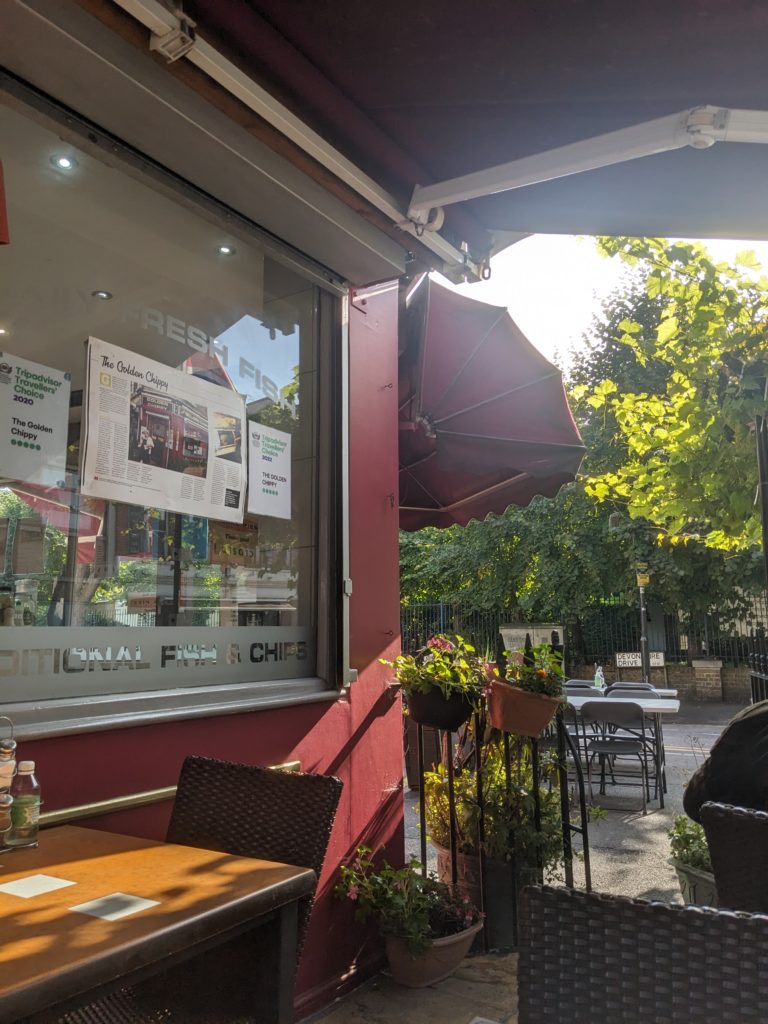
[(610, 626)]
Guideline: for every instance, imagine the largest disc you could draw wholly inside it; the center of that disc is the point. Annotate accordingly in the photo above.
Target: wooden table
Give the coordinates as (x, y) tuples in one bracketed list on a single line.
[(54, 957), (654, 708)]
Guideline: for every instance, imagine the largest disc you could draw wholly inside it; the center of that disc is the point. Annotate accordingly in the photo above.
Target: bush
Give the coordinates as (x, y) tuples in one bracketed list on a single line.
[(509, 816), (688, 844)]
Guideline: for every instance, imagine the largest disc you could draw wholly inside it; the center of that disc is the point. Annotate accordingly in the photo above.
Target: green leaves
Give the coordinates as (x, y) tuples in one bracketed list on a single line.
[(667, 329), (689, 463)]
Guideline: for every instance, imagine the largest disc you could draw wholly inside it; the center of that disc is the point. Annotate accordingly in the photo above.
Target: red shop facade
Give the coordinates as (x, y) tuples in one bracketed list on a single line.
[(242, 269)]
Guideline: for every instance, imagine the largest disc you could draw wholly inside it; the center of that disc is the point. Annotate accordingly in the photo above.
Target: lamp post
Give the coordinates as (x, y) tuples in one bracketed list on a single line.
[(615, 520), (643, 579)]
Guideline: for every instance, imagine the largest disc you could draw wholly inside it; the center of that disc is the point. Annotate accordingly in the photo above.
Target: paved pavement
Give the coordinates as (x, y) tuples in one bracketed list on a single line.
[(629, 856)]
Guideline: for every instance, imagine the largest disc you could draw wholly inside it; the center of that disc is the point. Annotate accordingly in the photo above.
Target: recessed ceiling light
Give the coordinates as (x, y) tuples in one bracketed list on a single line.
[(63, 162), (227, 250), (3, 330), (101, 294)]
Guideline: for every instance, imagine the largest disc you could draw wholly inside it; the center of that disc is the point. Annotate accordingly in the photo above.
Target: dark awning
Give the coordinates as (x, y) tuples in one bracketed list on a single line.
[(484, 421), (417, 93)]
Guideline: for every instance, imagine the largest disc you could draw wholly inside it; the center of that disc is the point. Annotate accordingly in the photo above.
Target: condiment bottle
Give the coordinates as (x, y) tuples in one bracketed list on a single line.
[(25, 812), (6, 802), (7, 763)]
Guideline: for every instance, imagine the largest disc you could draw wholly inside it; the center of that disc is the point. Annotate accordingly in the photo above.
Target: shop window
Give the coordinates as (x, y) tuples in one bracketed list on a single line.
[(101, 593)]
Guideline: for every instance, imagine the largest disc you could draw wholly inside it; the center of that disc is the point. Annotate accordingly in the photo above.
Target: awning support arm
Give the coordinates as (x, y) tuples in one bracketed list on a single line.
[(698, 127)]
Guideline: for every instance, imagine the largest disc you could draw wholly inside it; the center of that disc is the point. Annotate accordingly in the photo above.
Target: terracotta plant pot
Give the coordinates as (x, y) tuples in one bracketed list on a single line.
[(440, 960), (432, 708), (517, 711)]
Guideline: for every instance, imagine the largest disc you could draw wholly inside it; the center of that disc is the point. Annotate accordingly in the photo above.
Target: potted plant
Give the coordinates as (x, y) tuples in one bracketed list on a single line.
[(512, 846), (525, 702), (690, 859), (427, 930), (442, 683)]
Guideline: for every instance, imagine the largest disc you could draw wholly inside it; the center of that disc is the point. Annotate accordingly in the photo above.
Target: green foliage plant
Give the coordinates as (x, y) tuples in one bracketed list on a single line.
[(688, 844), (407, 905), (689, 465), (450, 665), (509, 822), (540, 671)]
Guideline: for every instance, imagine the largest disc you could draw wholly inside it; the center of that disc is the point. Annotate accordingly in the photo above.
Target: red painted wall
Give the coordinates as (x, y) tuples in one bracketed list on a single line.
[(357, 738)]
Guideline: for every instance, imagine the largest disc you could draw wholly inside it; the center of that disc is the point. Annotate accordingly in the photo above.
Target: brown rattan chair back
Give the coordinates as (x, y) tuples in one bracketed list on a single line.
[(589, 957), (738, 846), (250, 811)]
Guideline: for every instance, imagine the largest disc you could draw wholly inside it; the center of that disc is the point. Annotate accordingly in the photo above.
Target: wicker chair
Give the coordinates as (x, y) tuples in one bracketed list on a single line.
[(256, 812), (245, 811), (738, 846), (589, 957)]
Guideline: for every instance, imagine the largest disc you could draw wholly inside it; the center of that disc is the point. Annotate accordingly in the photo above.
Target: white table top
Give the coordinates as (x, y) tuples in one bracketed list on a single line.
[(660, 691), (655, 706)]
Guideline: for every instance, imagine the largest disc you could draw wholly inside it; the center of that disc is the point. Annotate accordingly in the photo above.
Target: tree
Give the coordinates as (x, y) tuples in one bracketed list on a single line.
[(557, 559), (686, 428)]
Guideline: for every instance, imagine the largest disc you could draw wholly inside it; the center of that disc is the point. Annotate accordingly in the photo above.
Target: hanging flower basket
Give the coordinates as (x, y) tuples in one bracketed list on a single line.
[(518, 711), (432, 708), (439, 961)]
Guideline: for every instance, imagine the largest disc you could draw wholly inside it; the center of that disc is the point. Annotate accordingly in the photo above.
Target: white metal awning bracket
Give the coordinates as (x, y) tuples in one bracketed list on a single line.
[(698, 127), (174, 35)]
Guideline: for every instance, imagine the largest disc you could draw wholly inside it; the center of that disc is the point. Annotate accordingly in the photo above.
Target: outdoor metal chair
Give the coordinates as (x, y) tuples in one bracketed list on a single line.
[(642, 690), (584, 691), (590, 957), (579, 682), (738, 846), (637, 691), (246, 811), (633, 682), (622, 733)]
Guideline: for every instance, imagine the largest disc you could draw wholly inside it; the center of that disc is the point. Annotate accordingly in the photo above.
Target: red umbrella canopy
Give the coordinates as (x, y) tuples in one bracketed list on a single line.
[(484, 420)]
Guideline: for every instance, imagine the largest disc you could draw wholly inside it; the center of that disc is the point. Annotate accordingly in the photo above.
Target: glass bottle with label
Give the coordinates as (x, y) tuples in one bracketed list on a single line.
[(7, 764), (25, 811), (6, 802)]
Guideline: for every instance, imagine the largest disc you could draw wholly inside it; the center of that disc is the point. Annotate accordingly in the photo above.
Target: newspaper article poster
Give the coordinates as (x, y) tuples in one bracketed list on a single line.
[(269, 471), (34, 412), (161, 438)]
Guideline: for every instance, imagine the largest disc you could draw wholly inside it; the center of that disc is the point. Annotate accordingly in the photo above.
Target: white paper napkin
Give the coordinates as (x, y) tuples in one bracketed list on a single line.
[(34, 885), (114, 906)]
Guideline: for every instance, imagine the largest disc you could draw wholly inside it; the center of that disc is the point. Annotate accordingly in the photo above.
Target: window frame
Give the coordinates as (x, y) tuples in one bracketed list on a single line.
[(68, 714)]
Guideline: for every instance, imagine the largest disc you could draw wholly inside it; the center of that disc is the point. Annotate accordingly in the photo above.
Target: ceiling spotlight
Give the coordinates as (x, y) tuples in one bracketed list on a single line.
[(227, 250), (101, 294), (62, 162), (3, 330)]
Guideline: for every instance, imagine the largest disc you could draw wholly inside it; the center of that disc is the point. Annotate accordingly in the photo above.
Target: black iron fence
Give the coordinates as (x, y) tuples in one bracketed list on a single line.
[(418, 622), (610, 626)]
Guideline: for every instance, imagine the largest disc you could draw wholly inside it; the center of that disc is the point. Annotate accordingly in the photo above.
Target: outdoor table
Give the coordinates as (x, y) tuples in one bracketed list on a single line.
[(655, 708), (662, 692), (54, 957)]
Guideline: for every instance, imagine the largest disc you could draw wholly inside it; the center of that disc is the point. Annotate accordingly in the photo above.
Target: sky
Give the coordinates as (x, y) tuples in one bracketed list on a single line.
[(553, 285)]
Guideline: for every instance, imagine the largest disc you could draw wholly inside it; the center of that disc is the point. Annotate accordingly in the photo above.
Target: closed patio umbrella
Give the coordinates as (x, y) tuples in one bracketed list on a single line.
[(484, 420)]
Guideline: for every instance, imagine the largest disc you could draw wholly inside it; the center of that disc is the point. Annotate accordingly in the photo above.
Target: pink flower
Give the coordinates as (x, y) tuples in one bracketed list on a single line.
[(352, 892), (440, 643)]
